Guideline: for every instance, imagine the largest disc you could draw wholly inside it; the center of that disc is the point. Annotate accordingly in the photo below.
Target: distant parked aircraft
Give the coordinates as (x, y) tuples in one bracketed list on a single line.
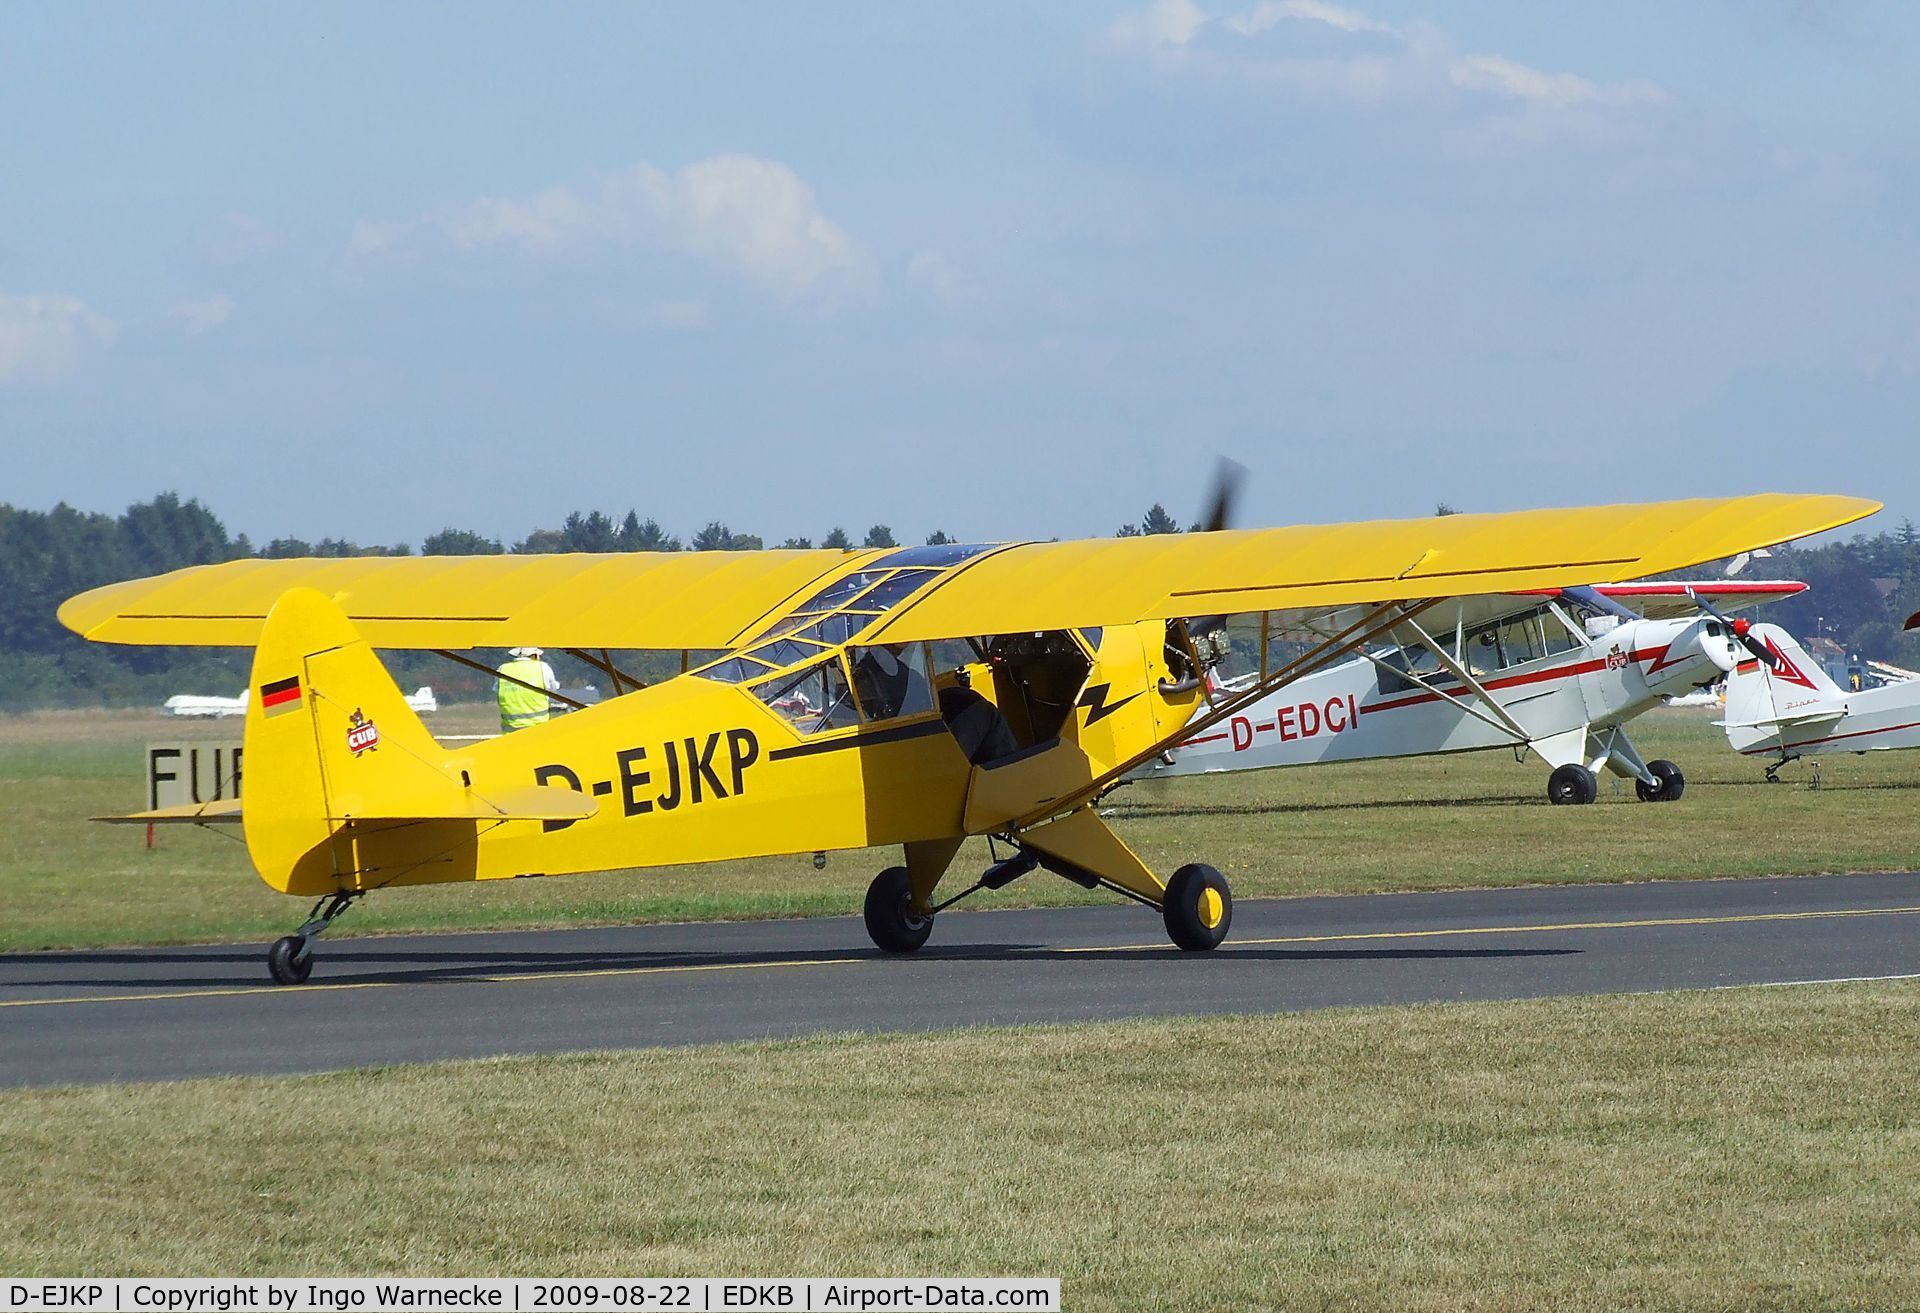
[(1789, 708), (421, 700)]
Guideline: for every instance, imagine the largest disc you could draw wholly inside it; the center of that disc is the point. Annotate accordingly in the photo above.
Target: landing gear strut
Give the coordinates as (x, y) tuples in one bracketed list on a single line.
[(290, 960)]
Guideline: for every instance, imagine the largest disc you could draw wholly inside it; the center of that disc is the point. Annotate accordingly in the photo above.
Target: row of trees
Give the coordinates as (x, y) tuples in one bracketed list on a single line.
[(1862, 589)]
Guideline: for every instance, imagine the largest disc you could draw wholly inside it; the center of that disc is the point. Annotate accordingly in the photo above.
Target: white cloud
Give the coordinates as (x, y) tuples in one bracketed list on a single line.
[(677, 314), (44, 335), (1325, 51), (202, 314), (1271, 13), (1505, 77), (1164, 23), (934, 274), (752, 217)]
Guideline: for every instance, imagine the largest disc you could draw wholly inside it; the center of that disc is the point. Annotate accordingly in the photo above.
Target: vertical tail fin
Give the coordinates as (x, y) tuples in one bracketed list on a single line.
[(329, 738), (1761, 700)]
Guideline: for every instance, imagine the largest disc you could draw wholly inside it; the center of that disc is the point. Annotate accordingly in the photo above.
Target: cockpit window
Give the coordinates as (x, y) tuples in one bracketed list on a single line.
[(938, 557), (892, 681), (840, 611), (813, 700), (784, 652), (841, 591)]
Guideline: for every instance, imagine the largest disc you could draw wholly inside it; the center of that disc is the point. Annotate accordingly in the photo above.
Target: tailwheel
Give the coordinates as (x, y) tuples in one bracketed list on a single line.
[(1669, 785), (1198, 907), (290, 960), (1572, 784), (891, 921)]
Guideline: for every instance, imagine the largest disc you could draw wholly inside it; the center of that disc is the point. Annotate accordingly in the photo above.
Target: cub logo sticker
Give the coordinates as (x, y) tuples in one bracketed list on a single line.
[(1616, 659), (362, 734)]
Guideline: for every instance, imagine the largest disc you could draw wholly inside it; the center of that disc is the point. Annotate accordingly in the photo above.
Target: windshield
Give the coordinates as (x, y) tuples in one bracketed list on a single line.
[(840, 611)]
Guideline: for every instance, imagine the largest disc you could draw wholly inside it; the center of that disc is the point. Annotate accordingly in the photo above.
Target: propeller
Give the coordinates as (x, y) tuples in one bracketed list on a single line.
[(1741, 630), (1228, 475)]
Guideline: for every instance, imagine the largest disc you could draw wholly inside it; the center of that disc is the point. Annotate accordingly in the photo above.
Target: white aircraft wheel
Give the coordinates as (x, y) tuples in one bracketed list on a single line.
[(1572, 784), (1671, 783), (889, 913), (287, 962), (1198, 907)]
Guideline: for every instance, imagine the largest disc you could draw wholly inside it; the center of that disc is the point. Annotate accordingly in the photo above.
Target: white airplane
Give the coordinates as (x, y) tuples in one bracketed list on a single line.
[(421, 700), (1787, 707), (1557, 676)]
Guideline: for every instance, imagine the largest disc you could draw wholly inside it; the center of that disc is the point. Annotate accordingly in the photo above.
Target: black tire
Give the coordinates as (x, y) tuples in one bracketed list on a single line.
[(1572, 785), (288, 963), (1671, 783), (1198, 908), (890, 919)]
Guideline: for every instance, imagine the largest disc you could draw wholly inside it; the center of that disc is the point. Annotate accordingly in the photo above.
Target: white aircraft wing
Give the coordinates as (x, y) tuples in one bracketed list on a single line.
[(1668, 599)]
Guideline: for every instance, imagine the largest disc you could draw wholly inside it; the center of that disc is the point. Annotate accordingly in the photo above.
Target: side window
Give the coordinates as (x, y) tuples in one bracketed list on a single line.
[(892, 681), (1520, 639), (1482, 654), (1416, 658), (813, 700), (1561, 637)]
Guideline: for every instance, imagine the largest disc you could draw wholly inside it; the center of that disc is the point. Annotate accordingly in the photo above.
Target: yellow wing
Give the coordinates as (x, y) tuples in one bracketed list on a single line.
[(671, 600), (1317, 568)]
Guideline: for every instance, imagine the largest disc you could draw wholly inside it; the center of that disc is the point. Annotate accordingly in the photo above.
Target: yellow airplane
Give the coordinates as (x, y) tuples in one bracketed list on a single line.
[(910, 696)]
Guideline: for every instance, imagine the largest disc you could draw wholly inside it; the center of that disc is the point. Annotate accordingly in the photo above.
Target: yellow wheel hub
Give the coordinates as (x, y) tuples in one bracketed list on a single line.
[(1212, 907)]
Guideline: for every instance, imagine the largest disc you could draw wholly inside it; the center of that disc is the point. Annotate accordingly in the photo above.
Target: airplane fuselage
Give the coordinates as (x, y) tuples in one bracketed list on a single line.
[(1365, 709)]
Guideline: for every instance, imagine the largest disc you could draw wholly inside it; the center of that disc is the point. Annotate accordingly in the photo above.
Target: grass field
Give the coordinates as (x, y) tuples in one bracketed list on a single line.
[(1745, 1149), (1417, 824)]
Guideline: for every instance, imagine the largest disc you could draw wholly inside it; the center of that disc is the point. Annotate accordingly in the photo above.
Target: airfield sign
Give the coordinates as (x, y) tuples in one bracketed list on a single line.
[(179, 774)]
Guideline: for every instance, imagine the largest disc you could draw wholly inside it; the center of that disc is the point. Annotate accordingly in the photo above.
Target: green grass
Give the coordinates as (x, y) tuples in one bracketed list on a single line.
[(1746, 1149), (1425, 823)]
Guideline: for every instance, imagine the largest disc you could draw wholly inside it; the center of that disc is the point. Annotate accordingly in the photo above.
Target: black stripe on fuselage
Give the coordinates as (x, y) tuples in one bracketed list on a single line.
[(918, 730)]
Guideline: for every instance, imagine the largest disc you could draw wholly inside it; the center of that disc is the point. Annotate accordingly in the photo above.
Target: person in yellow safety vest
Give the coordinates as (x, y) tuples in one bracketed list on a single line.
[(521, 706)]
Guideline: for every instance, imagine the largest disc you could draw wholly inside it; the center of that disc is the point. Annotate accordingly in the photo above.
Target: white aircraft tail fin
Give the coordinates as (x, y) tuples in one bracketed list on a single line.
[(1760, 701)]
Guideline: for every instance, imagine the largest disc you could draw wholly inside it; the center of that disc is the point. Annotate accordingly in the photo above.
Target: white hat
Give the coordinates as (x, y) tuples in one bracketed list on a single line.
[(525, 652)]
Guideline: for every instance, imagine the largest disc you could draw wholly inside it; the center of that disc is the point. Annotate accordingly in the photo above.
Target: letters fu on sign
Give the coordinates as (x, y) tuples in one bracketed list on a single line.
[(183, 773)]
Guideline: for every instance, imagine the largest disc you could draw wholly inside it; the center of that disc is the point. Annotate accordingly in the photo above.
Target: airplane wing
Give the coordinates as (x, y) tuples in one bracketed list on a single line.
[(1668, 599), (670, 600), (1316, 569), (681, 600), (1344, 584)]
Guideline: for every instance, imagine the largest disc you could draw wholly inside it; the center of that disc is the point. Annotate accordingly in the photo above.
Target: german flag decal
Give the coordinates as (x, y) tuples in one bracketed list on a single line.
[(281, 695)]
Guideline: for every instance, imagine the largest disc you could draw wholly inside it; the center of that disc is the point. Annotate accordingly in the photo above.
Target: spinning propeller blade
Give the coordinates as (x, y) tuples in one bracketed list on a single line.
[(1741, 630)]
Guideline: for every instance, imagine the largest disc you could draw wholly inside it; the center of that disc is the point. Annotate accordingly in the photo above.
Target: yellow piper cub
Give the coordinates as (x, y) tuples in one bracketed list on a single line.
[(908, 696)]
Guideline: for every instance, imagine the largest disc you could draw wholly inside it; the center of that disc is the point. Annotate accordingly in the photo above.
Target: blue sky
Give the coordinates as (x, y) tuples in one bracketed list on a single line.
[(1010, 271)]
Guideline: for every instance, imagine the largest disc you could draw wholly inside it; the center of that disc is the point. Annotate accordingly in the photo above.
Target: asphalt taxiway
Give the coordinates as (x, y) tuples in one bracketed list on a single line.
[(164, 1013)]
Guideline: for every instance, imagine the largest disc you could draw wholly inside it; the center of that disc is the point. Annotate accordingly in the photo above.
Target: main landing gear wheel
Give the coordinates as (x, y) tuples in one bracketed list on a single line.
[(290, 961), (1572, 784), (1198, 907), (1671, 783), (890, 917)]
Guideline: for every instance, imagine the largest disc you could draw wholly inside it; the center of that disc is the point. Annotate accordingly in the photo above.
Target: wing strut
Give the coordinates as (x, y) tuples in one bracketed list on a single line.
[(1379, 620), (489, 670)]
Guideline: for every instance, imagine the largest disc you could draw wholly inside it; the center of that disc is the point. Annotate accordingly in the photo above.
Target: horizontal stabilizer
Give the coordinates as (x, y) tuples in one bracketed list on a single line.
[(1778, 722), (535, 802), (224, 812)]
